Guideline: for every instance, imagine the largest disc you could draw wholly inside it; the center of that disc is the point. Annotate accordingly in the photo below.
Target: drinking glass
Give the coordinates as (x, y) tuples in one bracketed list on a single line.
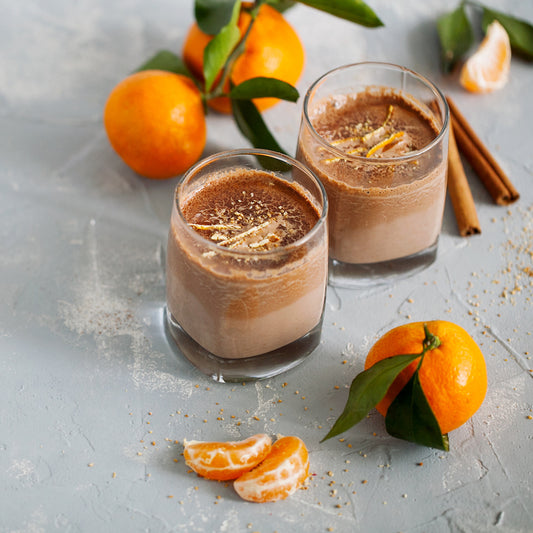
[(385, 180), (247, 261)]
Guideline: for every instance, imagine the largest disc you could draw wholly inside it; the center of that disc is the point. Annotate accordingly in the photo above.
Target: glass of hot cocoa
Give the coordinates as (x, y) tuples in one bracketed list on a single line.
[(247, 262), (376, 135)]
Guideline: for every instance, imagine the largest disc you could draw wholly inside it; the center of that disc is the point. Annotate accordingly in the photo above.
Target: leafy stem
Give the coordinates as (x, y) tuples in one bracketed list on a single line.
[(409, 416)]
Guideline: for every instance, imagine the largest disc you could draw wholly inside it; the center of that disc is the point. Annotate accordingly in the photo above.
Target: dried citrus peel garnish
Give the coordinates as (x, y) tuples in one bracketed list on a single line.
[(384, 143), (366, 138)]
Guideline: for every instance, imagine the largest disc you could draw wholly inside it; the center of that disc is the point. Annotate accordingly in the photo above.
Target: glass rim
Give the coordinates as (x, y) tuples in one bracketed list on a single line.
[(390, 66), (228, 154)]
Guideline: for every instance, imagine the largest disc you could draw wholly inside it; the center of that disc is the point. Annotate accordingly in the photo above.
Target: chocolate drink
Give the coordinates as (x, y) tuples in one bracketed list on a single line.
[(386, 197), (238, 281)]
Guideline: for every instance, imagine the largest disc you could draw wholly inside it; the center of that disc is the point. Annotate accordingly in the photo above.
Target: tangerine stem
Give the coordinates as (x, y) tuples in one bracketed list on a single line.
[(429, 343)]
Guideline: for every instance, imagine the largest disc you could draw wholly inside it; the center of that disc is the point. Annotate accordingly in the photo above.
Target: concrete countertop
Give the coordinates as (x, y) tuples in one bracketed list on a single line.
[(95, 402)]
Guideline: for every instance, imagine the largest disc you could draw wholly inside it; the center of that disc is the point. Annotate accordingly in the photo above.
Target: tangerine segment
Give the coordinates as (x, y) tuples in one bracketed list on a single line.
[(488, 69), (453, 376), (226, 460), (283, 471)]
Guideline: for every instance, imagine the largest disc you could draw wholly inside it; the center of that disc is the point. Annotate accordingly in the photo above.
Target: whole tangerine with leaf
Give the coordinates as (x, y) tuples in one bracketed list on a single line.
[(427, 379), (155, 121), (272, 49)]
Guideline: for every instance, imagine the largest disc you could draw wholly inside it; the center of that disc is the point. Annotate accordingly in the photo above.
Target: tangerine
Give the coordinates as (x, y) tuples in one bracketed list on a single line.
[(283, 471), (488, 68), (453, 376), (226, 460), (155, 122), (272, 49)]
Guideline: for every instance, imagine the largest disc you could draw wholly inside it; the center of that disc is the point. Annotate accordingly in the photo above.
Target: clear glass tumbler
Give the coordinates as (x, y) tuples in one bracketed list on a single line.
[(247, 262), (376, 135)]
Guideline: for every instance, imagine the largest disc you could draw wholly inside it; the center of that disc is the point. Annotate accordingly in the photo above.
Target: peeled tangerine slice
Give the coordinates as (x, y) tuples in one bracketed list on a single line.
[(488, 68), (226, 460), (283, 471)]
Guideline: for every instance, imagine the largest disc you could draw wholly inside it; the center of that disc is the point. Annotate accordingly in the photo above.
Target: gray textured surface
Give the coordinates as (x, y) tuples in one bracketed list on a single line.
[(88, 380)]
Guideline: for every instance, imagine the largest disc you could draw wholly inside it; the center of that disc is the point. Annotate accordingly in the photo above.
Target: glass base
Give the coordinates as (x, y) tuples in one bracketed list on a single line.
[(257, 367), (369, 275)]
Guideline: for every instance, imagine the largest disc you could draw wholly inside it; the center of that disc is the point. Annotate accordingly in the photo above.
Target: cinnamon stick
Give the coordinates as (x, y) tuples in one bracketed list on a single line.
[(460, 193), (486, 167)]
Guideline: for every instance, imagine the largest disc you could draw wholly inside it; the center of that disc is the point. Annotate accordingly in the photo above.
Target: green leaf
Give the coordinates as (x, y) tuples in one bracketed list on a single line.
[(166, 60), (520, 32), (353, 10), (253, 127), (456, 36), (213, 15), (368, 389), (262, 87), (411, 418), (219, 49)]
